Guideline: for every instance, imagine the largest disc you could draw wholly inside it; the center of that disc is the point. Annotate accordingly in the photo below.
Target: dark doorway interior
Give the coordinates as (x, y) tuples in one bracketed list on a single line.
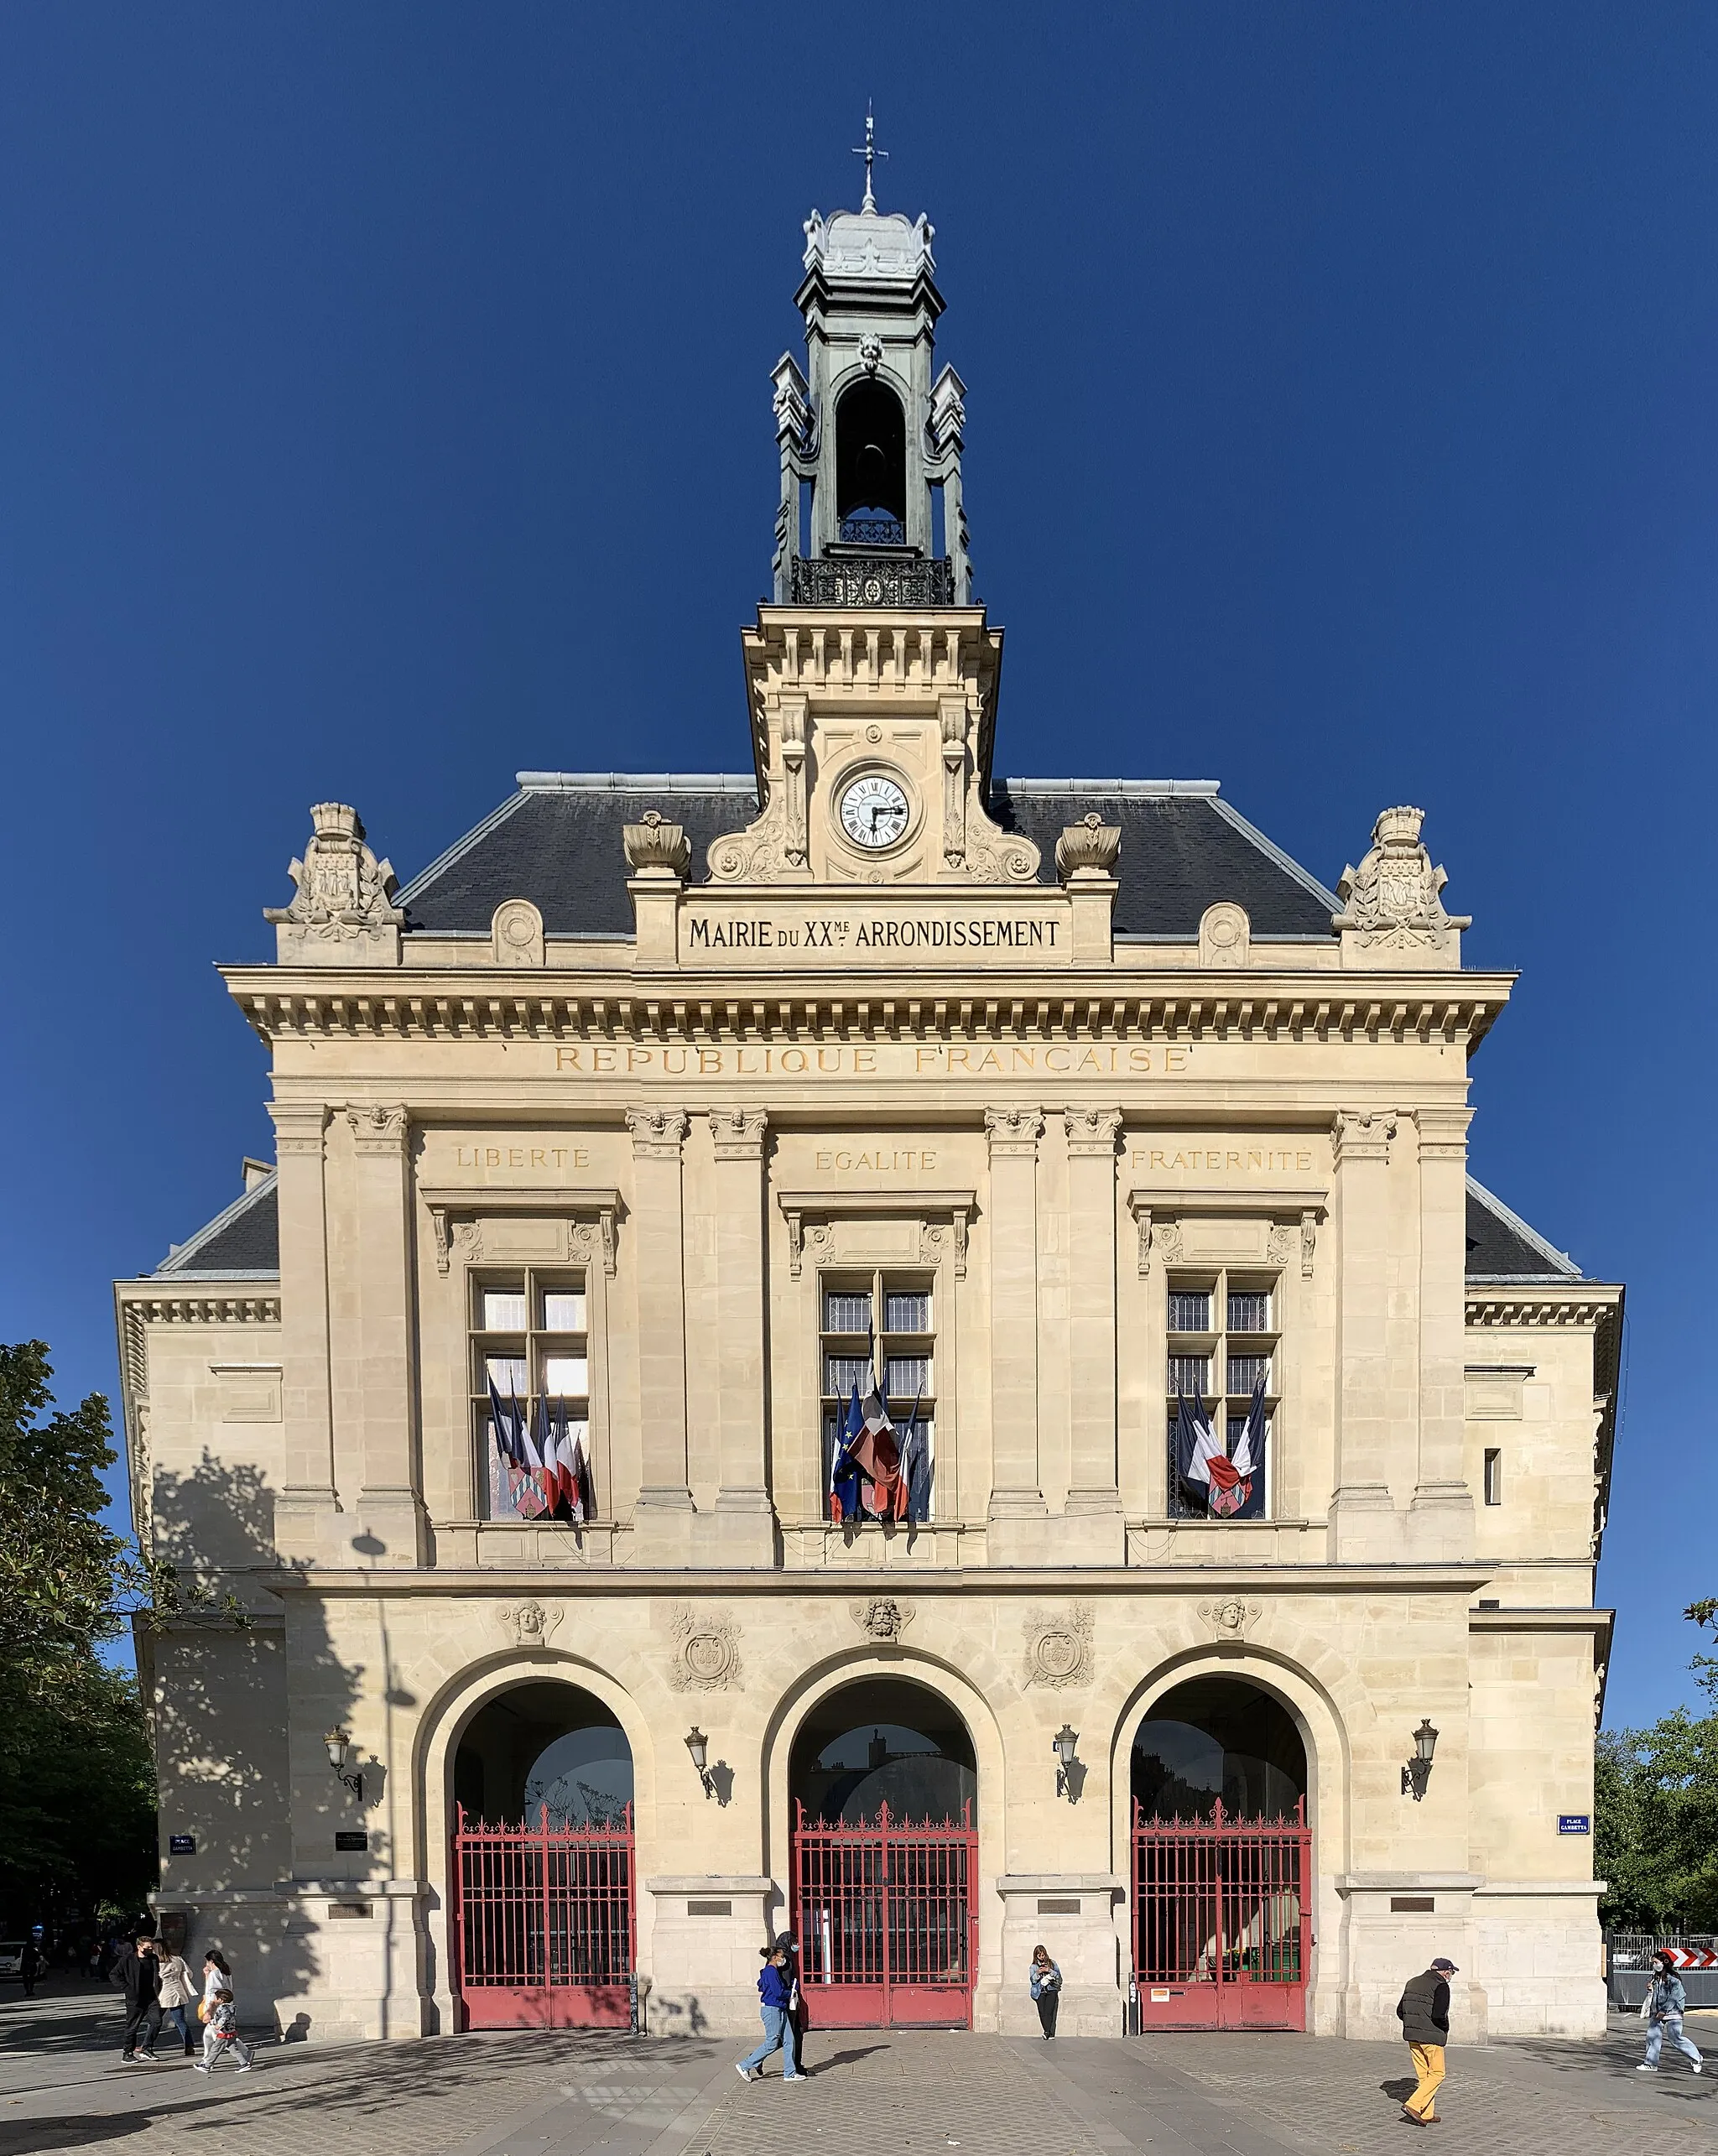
[(1218, 1738), (871, 454), (544, 1744), (884, 1740)]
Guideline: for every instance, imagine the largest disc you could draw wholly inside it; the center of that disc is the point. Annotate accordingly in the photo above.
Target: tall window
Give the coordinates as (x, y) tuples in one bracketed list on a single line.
[(1222, 1338), (880, 1323), (530, 1337)]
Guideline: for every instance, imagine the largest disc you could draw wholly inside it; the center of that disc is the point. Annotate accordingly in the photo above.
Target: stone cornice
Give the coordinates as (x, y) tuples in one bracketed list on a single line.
[(455, 1005)]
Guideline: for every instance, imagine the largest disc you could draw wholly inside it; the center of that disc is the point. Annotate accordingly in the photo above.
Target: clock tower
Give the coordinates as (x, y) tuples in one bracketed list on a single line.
[(872, 671)]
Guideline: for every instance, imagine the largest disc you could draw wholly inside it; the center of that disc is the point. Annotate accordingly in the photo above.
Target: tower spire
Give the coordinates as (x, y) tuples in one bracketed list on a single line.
[(871, 152)]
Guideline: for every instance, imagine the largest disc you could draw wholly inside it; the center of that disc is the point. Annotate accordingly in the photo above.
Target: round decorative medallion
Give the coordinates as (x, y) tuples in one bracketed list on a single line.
[(710, 1656), (873, 591), (1058, 1655), (873, 735)]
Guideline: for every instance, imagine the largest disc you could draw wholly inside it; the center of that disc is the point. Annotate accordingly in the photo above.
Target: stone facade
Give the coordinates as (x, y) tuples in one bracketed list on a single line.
[(971, 1057)]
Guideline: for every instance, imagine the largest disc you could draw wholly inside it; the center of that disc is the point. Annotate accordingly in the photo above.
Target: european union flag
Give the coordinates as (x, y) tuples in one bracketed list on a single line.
[(844, 1474)]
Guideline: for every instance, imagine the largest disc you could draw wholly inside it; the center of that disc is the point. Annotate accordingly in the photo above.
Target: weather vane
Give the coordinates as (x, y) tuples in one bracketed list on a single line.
[(871, 152)]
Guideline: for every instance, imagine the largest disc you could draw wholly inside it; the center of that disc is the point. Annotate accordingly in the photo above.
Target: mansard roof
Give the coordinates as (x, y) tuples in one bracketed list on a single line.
[(241, 1243), (1501, 1246), (557, 842)]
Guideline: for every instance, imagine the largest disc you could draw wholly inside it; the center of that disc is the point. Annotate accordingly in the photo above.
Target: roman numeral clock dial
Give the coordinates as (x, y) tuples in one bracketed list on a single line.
[(874, 812)]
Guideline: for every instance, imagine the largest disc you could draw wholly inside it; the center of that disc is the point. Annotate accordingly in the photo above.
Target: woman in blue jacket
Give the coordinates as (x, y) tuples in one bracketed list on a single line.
[(775, 1994), (1664, 2008)]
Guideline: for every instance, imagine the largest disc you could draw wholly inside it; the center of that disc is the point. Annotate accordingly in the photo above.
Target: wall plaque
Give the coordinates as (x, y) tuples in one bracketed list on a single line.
[(181, 1845), (352, 1841)]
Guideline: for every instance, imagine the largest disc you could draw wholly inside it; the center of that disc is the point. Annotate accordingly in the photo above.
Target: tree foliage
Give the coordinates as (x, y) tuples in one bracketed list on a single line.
[(1655, 1794)]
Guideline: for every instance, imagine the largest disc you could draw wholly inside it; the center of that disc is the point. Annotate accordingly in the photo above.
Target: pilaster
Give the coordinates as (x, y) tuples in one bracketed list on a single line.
[(1017, 1502), (304, 1511), (394, 1528), (1362, 1511), (744, 1526), (662, 1524), (1094, 1497), (1442, 1523)]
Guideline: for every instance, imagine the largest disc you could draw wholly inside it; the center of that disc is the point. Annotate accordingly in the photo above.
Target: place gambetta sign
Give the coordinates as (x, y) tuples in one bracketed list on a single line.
[(885, 930)]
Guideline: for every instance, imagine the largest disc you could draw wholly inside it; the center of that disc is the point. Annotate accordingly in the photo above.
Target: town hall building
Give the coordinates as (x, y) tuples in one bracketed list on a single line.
[(880, 1352)]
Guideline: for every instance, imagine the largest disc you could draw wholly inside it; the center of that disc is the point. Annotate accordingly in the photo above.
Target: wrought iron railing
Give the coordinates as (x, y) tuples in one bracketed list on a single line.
[(873, 531), (870, 581)]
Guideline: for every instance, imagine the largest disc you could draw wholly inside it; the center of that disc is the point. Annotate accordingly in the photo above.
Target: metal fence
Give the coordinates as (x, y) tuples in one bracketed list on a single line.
[(1627, 1957), (544, 1923), (1222, 1920)]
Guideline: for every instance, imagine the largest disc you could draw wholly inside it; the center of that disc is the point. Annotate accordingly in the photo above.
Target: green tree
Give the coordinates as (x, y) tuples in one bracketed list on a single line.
[(77, 1801), (1655, 1794)]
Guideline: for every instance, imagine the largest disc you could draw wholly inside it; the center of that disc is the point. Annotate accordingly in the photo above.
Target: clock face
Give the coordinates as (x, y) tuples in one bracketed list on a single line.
[(875, 812)]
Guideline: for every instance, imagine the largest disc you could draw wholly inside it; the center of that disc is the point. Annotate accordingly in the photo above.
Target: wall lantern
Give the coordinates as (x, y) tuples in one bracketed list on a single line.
[(698, 1745), (1419, 1770), (339, 1744), (1062, 1744)]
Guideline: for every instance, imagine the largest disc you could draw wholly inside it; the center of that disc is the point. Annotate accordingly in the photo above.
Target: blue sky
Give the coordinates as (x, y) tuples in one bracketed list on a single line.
[(384, 409)]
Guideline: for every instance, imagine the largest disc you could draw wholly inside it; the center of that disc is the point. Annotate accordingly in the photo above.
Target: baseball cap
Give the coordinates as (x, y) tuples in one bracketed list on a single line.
[(1443, 1962)]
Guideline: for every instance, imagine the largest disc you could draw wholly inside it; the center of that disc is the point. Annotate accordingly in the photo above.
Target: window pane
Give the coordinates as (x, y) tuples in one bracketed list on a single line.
[(841, 1372), (1494, 1476), (504, 1310), (1190, 1311), (1190, 1374), (1249, 1311), (564, 1311), (907, 1376), (846, 1311), (906, 1311), (1245, 1371), (508, 1373), (566, 1377)]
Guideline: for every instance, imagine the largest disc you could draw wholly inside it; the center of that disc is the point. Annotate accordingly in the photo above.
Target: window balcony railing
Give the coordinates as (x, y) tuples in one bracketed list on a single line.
[(873, 531)]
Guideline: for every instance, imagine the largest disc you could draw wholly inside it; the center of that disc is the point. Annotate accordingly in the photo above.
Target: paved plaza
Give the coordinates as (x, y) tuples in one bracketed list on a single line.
[(62, 2087)]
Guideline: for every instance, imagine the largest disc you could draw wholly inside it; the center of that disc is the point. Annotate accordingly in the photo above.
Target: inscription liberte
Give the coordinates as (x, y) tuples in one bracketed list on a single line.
[(521, 1156), (856, 1060), (837, 932)]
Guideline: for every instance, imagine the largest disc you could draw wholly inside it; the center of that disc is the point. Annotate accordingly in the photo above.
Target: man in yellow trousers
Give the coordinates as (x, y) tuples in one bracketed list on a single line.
[(1424, 2012)]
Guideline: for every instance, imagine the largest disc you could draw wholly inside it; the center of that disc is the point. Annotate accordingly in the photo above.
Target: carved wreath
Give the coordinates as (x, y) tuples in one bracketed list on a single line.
[(1059, 1645), (706, 1656)]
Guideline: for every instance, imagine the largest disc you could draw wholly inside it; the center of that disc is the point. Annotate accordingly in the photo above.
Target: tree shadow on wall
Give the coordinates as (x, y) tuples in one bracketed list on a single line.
[(238, 1762)]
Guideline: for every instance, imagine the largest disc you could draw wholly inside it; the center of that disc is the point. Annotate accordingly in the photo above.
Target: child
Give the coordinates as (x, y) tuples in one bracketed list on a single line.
[(222, 2038)]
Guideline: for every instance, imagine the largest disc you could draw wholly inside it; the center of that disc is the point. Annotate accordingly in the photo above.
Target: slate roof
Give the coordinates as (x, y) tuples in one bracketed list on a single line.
[(557, 842), (1500, 1246), (242, 1242), (245, 1240)]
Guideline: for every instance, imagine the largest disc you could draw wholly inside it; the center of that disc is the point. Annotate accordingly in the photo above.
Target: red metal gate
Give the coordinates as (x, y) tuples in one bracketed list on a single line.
[(1223, 1922), (889, 1937), (544, 1924)]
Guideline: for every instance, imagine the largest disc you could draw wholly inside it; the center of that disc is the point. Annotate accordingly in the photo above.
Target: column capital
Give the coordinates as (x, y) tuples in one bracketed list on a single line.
[(657, 1133), (1013, 1132), (738, 1133), (379, 1129), (1358, 1134), (1443, 1132), (300, 1126), (1091, 1132)]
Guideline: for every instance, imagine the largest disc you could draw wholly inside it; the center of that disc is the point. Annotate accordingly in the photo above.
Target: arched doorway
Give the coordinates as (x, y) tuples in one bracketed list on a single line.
[(870, 466), (1221, 1860), (884, 1787), (543, 1869)]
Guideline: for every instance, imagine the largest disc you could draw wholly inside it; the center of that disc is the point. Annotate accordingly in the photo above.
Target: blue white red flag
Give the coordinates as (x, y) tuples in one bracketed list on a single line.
[(1197, 1445)]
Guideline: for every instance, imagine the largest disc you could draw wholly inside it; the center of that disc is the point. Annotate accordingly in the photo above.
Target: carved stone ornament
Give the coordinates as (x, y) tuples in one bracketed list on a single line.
[(342, 913), (657, 1133), (1224, 934), (882, 1617), (1392, 912), (377, 1129), (1089, 848), (516, 933), (530, 1624), (871, 351), (1230, 1616), (1013, 1132), (656, 848), (1059, 1645), (706, 1655)]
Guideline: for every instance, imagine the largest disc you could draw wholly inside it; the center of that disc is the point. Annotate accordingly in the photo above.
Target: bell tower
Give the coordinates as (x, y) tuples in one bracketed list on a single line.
[(872, 673), (870, 436)]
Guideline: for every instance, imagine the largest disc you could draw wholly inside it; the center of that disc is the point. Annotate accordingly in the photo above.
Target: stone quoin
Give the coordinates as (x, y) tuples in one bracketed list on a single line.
[(625, 1145)]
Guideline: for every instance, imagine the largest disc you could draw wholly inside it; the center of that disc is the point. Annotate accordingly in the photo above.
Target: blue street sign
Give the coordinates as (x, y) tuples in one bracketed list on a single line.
[(1574, 1822), (181, 1845)]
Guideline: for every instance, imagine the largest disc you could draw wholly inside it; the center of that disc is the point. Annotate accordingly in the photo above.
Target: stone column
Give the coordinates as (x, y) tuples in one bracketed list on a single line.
[(662, 1524), (1363, 1522), (1016, 1504), (1442, 1526), (390, 1502), (305, 1510), (745, 1526), (1093, 1494)]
